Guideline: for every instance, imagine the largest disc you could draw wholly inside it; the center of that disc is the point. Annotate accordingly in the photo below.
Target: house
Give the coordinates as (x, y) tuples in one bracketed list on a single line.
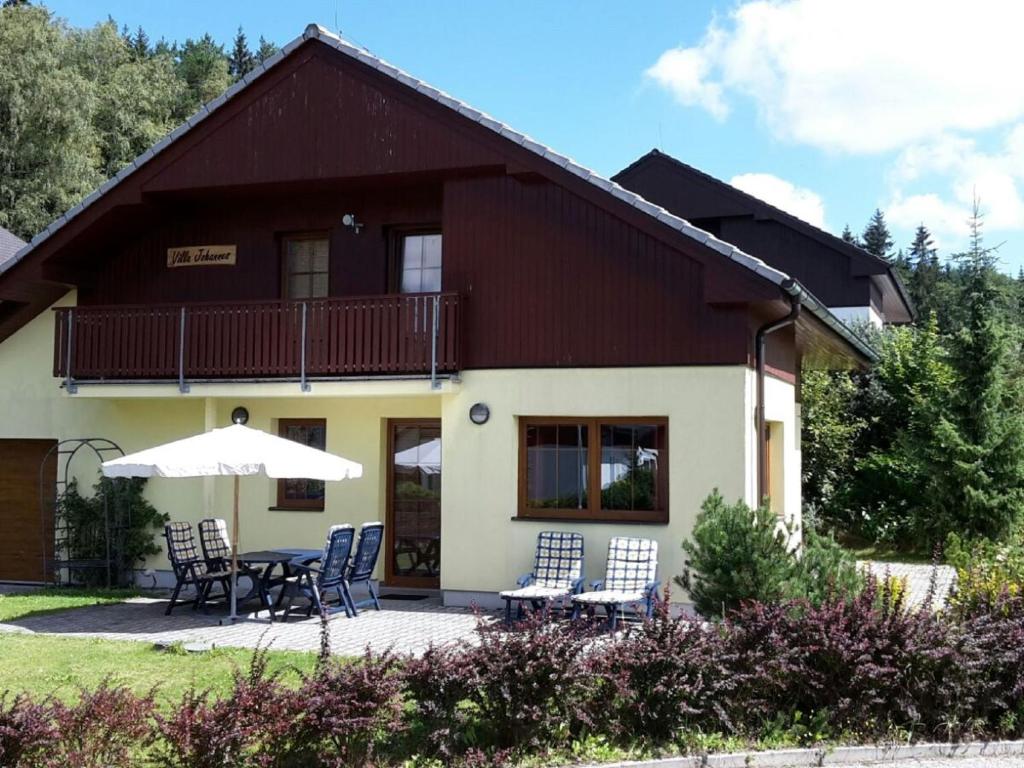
[(855, 285), (507, 341)]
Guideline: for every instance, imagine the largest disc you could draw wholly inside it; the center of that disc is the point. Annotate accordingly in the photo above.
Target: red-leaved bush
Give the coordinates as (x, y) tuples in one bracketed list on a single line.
[(850, 668), (106, 728), (27, 731)]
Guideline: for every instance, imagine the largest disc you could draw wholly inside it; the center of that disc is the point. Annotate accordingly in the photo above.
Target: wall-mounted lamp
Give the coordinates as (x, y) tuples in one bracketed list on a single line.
[(479, 413), (349, 220), (240, 415)]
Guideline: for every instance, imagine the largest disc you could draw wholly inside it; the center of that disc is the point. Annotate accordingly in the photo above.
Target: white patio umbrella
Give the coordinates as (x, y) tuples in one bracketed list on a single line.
[(233, 451)]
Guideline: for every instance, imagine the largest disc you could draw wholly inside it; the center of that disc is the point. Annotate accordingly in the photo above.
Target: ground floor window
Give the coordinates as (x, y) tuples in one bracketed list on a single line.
[(297, 493), (594, 468)]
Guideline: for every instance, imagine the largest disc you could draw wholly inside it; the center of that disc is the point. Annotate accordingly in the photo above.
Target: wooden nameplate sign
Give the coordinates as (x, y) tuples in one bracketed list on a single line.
[(202, 256)]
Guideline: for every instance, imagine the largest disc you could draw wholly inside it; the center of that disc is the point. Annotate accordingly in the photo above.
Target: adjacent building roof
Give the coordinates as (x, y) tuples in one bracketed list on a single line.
[(786, 284), (761, 209), (10, 244)]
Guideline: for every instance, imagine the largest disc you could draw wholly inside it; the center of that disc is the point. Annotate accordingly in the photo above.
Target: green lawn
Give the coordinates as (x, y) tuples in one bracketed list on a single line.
[(50, 599), (43, 665)]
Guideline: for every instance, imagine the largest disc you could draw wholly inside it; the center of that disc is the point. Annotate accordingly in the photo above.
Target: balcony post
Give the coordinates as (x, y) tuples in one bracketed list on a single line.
[(183, 386), (69, 381), (435, 330), (303, 384)]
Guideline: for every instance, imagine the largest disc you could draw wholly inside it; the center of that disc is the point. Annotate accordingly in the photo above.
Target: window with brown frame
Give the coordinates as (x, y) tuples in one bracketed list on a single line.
[(298, 493), (613, 469), (306, 264)]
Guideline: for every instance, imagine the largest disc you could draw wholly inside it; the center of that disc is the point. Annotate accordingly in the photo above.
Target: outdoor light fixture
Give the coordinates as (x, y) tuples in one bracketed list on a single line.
[(349, 220), (479, 413), (240, 415)]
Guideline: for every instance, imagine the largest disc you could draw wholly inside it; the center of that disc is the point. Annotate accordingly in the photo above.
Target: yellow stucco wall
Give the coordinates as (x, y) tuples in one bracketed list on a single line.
[(710, 412), (711, 444)]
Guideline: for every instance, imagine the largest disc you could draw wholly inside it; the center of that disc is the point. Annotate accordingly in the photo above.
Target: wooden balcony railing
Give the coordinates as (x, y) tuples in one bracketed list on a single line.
[(317, 338)]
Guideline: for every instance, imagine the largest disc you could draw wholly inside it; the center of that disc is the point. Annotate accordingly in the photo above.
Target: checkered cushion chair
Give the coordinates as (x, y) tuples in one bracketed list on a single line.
[(190, 568), (630, 580), (216, 545), (557, 573), (313, 581)]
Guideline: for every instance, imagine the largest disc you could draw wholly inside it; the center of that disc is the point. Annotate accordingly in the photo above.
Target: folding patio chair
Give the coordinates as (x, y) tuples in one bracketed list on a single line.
[(190, 569), (629, 580), (216, 544), (312, 582), (557, 573), (363, 562)]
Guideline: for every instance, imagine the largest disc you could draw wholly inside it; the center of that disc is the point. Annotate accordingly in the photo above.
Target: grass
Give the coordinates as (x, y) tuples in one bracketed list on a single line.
[(885, 554), (52, 599), (42, 665)]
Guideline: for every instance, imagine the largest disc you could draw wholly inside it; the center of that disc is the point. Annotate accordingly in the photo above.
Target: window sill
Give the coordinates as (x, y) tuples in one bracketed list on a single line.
[(295, 509), (585, 520)]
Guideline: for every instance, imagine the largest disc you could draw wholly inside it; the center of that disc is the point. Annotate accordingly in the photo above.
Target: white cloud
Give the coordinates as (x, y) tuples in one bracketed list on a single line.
[(963, 171), (859, 76), (799, 201)]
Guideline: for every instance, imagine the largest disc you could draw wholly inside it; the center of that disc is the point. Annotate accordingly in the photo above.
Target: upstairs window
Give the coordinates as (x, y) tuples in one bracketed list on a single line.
[(419, 263), (594, 469), (306, 267)]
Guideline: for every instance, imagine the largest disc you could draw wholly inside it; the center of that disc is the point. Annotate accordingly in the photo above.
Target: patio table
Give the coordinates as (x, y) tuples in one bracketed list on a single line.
[(269, 559)]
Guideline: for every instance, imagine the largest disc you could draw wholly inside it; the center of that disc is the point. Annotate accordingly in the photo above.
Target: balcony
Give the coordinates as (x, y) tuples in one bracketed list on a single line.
[(369, 336)]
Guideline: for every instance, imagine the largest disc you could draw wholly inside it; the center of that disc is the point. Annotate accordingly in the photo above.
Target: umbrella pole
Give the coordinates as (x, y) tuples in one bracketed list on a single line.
[(234, 556)]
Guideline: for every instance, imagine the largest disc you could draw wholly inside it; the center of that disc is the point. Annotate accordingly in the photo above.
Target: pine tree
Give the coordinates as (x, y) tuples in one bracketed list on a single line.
[(924, 278), (977, 469), (266, 50), (241, 61), (140, 44), (848, 236), (876, 238)]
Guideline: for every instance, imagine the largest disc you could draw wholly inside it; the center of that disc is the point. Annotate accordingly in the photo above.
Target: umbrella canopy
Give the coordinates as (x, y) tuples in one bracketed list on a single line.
[(234, 451)]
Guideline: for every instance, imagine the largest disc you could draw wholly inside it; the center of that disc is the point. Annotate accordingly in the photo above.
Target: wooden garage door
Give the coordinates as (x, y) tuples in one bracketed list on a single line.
[(21, 532)]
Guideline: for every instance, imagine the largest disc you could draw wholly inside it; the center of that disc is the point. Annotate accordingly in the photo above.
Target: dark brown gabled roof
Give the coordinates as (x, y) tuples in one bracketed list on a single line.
[(616, 194), (870, 263)]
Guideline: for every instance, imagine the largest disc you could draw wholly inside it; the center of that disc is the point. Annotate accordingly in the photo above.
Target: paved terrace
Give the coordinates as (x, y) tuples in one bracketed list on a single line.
[(406, 626)]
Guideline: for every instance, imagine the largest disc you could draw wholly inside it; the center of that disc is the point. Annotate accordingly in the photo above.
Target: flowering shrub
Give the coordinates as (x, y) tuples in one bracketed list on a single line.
[(790, 672)]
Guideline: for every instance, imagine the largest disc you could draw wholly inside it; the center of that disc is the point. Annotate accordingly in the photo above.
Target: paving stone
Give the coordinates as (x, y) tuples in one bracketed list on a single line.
[(918, 578), (406, 627)]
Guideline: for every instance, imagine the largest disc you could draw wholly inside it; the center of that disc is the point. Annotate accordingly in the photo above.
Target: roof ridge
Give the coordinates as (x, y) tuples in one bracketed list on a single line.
[(361, 54)]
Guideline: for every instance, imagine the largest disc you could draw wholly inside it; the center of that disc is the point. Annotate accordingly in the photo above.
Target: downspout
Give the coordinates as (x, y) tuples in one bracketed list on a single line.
[(794, 293)]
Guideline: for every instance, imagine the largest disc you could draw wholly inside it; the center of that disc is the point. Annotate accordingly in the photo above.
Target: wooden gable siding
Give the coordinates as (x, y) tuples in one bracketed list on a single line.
[(825, 273), (135, 272), (353, 123), (551, 280), (828, 273)]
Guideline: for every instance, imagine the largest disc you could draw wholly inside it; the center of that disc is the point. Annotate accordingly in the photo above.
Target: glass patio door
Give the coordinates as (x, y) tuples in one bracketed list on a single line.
[(414, 503)]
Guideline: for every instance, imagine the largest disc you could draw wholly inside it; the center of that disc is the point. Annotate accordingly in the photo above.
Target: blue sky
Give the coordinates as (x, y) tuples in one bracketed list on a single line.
[(812, 104)]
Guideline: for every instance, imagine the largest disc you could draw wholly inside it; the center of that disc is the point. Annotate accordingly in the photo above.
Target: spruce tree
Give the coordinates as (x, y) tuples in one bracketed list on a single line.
[(876, 238), (140, 44), (978, 463), (241, 62), (265, 50), (924, 278), (848, 236)]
